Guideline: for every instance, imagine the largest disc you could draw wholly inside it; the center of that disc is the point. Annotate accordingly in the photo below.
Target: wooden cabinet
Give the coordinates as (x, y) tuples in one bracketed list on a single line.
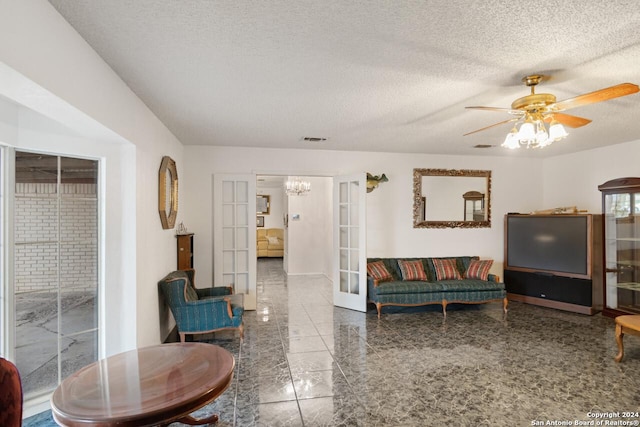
[(621, 211), (185, 251)]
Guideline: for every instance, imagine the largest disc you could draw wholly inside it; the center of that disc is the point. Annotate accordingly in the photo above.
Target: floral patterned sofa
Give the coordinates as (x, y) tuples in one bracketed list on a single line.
[(424, 281)]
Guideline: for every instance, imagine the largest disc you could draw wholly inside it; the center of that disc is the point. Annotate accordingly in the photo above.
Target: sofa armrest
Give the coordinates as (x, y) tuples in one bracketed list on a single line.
[(372, 281), (214, 291), (493, 278)]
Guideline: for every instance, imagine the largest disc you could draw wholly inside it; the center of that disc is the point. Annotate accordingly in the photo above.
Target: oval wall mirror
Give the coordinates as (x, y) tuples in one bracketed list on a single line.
[(168, 192)]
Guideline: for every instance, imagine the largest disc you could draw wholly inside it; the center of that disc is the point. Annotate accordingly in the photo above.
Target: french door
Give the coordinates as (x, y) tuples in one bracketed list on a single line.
[(234, 234), (350, 258)]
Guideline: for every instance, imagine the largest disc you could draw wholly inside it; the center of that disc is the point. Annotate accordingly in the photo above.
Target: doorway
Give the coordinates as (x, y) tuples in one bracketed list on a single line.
[(306, 222)]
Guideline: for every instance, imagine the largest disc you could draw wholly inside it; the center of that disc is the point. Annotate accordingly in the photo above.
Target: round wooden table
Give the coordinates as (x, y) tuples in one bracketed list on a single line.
[(154, 385)]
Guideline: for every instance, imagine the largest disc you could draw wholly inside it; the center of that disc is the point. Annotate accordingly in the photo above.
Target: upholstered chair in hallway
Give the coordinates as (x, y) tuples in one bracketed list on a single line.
[(200, 311), (10, 395)]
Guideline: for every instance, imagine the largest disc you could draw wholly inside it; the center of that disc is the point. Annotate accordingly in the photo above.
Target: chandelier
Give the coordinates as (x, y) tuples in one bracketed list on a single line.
[(296, 186), (533, 132)]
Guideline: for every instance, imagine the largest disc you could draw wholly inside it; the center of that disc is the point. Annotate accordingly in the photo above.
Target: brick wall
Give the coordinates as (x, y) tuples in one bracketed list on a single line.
[(37, 249)]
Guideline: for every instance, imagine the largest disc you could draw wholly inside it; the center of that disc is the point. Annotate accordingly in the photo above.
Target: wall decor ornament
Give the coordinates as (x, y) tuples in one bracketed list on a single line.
[(374, 180), (168, 192)]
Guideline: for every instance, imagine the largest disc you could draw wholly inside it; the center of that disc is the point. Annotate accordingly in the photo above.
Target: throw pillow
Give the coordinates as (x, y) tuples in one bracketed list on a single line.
[(446, 269), (378, 271), (273, 240), (412, 270), (478, 269)]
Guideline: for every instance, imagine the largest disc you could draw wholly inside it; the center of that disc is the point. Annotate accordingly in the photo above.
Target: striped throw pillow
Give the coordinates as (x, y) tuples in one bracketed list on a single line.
[(378, 271), (412, 270), (446, 269), (478, 269)]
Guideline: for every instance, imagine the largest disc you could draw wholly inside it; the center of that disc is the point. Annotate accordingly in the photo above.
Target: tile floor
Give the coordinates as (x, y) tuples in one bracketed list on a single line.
[(304, 362)]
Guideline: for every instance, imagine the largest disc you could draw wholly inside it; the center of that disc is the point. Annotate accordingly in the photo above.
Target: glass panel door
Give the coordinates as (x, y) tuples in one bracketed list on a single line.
[(622, 251), (235, 235), (55, 268), (350, 277)]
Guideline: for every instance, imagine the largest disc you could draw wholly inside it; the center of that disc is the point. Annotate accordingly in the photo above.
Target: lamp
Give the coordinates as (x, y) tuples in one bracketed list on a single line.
[(533, 132), (296, 186)]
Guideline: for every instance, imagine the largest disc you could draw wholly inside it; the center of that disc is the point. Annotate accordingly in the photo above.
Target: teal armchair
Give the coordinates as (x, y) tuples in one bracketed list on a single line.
[(200, 311)]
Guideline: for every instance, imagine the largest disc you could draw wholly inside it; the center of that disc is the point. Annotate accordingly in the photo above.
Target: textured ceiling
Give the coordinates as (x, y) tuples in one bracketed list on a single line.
[(368, 75)]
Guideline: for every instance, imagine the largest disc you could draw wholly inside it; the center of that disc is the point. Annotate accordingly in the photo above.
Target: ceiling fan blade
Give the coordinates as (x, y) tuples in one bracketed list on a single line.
[(568, 120), (490, 109), (490, 126), (622, 89)]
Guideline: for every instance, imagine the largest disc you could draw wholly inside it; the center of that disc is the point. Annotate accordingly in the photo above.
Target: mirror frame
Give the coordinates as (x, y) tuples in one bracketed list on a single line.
[(267, 199), (419, 207), (168, 219)]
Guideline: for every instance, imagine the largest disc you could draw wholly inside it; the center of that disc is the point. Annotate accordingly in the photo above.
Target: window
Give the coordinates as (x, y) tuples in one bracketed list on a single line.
[(55, 260)]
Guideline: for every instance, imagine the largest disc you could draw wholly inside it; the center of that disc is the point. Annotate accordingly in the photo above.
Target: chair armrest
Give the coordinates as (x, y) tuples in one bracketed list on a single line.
[(214, 291)]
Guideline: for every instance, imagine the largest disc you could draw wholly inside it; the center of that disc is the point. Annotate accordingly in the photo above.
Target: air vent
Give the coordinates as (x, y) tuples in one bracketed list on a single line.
[(314, 139), (483, 146)]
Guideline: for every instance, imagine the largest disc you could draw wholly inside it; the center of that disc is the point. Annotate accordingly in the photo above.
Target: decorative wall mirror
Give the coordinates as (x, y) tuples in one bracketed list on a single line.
[(451, 198), (168, 192), (262, 205)]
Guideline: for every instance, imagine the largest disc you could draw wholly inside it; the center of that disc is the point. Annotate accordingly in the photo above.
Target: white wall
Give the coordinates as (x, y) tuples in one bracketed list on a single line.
[(308, 249), (573, 180), (46, 66), (515, 188)]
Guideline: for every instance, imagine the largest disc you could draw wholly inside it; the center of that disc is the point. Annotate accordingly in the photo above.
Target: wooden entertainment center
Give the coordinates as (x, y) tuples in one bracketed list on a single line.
[(554, 261)]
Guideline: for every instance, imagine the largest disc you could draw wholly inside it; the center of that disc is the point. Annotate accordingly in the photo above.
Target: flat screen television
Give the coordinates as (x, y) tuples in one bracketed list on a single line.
[(558, 244)]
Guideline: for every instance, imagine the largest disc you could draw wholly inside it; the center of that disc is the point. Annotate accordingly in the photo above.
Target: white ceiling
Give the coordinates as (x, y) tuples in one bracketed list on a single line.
[(368, 75)]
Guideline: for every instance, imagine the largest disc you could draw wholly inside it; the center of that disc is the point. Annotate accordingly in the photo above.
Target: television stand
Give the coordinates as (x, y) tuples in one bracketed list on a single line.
[(582, 296)]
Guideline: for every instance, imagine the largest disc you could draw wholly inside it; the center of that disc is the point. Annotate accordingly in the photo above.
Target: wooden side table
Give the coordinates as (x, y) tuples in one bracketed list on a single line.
[(627, 324), (149, 386)]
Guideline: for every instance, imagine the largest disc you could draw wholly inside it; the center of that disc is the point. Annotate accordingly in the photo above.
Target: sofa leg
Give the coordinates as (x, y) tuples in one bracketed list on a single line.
[(182, 336), (379, 308), (444, 308), (505, 304)]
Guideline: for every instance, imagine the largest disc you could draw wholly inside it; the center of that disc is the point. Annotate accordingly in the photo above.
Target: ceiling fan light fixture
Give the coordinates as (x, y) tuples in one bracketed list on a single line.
[(541, 133), (556, 131), (535, 109), (527, 130), (511, 141)]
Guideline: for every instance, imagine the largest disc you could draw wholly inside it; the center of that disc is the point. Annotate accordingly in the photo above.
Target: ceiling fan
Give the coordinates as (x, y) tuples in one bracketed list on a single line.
[(534, 111)]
